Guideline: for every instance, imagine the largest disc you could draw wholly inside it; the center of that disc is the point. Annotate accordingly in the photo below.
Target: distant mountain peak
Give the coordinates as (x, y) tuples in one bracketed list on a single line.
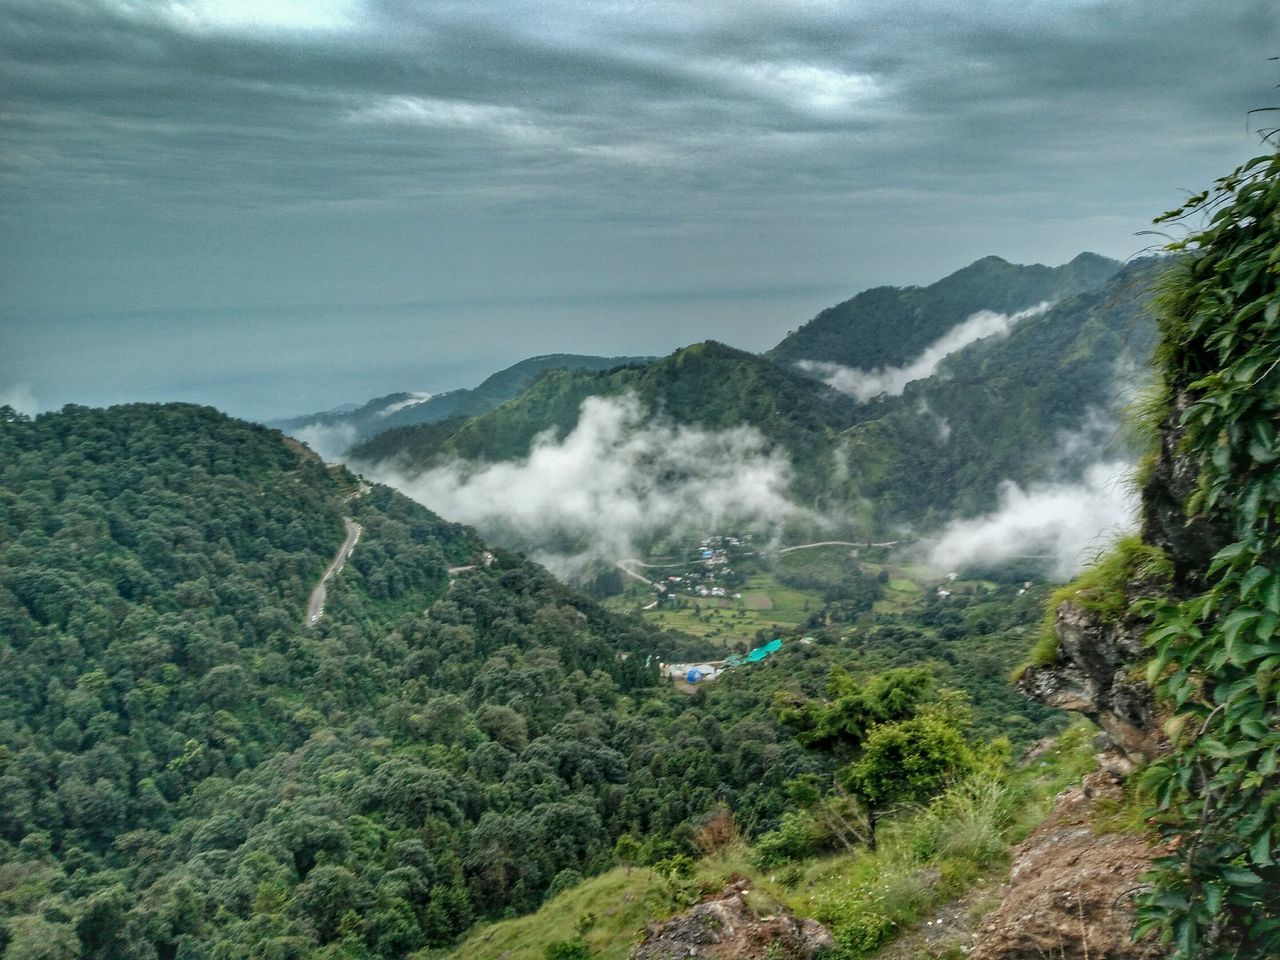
[(889, 326)]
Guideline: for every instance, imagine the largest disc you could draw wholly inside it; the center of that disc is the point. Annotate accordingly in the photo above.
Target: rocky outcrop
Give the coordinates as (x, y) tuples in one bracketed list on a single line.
[(1094, 675), (1099, 663), (1071, 889), (1188, 542), (726, 928)]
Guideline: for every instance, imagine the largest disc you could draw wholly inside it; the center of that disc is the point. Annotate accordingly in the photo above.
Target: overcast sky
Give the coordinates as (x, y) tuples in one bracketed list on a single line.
[(279, 205)]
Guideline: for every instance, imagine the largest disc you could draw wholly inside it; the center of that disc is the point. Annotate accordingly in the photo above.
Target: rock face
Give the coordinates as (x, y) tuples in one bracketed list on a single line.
[(725, 928), (1070, 889), (1097, 657), (1189, 542), (1094, 677)]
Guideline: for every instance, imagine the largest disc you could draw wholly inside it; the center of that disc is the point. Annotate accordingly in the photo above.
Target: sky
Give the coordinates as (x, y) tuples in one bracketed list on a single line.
[(278, 206)]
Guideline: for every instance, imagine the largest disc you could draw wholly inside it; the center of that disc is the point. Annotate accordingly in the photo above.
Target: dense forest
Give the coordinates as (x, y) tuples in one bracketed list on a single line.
[(189, 771), (708, 385), (1041, 403), (890, 326)]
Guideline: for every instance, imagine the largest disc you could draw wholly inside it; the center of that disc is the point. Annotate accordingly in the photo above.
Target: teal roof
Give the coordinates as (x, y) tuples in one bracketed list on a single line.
[(759, 653)]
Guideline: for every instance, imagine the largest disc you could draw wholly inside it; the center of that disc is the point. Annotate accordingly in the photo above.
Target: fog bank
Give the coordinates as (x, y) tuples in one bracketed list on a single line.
[(865, 384), (1067, 523), (615, 480)]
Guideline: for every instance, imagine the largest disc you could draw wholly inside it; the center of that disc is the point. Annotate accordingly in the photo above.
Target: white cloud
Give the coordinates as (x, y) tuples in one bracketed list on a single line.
[(810, 88), (235, 15), (512, 123), (1065, 522), (330, 442), (865, 384), (616, 479), (20, 398), (413, 401)]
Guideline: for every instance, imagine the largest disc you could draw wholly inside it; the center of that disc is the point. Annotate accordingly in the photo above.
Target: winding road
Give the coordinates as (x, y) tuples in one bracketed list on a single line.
[(839, 543), (315, 606)]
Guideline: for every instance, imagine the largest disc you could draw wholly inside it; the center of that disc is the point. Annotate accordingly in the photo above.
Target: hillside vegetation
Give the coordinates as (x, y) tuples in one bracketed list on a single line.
[(1040, 403), (1215, 640), (407, 409), (188, 771), (1037, 404), (708, 385), (890, 326)]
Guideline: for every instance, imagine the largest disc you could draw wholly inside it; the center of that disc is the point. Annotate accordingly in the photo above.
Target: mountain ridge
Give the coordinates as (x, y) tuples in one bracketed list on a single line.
[(362, 421), (889, 326)]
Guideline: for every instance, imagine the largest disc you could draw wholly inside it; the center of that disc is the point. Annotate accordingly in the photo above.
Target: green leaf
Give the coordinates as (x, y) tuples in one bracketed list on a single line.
[(1229, 552), (1267, 764), (1254, 728), (1266, 627), (1213, 897), (1271, 595), (1215, 748), (1252, 579), (1236, 620), (1260, 852), (1240, 876)]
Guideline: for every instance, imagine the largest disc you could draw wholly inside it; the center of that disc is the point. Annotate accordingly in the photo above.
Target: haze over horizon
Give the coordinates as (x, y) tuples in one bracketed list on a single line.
[(279, 206)]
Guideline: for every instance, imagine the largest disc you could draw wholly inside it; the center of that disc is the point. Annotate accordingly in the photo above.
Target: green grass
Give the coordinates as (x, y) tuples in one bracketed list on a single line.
[(901, 593), (925, 857), (823, 565), (733, 621), (617, 899), (1105, 588)]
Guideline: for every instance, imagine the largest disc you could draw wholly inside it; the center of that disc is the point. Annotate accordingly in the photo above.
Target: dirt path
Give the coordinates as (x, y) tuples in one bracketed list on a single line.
[(315, 606)]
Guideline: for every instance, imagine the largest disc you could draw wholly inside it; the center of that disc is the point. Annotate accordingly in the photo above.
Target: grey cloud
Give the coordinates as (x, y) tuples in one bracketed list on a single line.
[(19, 397), (147, 161), (330, 442)]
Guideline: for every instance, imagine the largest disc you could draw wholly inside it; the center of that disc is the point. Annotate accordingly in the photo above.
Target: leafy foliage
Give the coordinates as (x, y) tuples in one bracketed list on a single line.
[(188, 770), (903, 740), (1217, 653)]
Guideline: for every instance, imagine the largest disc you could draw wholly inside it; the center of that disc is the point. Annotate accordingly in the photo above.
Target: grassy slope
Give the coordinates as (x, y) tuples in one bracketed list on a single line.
[(924, 858)]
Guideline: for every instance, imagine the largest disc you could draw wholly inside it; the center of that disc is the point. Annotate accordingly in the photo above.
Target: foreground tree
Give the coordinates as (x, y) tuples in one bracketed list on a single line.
[(900, 738)]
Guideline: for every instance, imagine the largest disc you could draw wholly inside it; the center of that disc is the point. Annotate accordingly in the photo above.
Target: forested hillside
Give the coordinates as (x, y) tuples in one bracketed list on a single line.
[(708, 385), (889, 326), (1042, 402), (188, 771), (1038, 403), (407, 409)]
